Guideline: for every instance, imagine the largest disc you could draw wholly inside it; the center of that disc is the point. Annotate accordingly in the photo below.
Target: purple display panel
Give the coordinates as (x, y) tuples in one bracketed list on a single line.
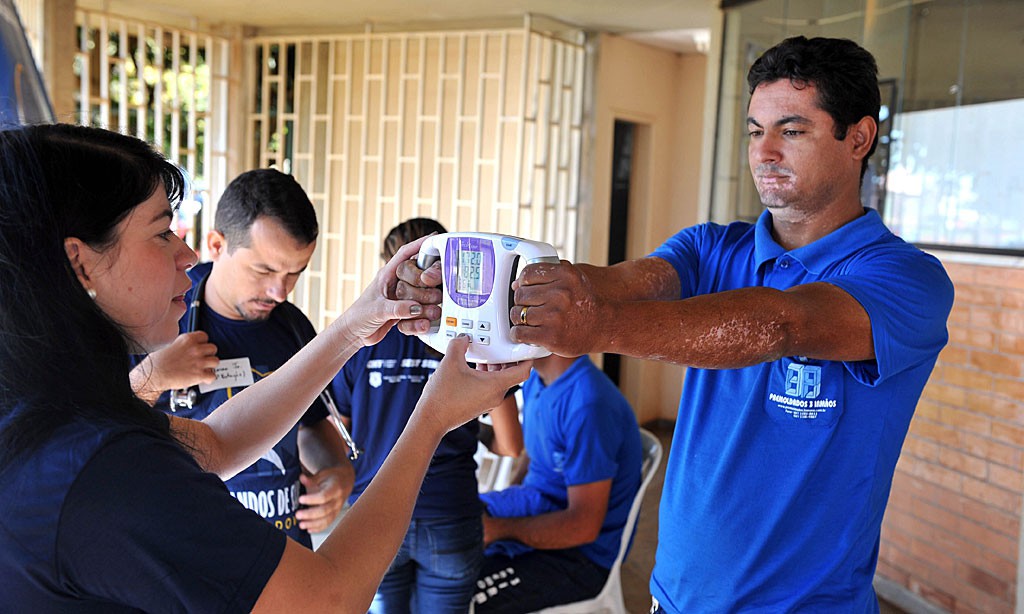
[(469, 270)]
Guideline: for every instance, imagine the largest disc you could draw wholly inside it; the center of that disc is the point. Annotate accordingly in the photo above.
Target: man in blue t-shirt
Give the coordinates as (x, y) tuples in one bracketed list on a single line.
[(809, 336), (554, 538), (239, 328)]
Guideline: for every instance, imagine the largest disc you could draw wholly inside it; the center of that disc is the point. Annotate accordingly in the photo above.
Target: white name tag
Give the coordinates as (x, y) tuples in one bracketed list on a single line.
[(231, 373)]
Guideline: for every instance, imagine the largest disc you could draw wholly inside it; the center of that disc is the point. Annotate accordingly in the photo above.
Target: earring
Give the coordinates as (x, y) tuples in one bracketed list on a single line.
[(91, 292)]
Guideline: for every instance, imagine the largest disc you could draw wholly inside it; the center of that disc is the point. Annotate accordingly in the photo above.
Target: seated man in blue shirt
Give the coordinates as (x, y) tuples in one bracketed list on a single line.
[(553, 539)]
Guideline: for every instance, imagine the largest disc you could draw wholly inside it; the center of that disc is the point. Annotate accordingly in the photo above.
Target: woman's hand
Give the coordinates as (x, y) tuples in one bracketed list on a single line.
[(375, 311), (456, 393)]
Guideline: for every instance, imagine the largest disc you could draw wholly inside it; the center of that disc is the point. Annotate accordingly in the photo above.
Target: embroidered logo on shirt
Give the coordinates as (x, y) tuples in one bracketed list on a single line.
[(805, 391), (376, 379), (558, 460)]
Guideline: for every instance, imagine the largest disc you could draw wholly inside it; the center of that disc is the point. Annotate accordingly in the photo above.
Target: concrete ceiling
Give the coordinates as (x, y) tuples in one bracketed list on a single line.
[(682, 25)]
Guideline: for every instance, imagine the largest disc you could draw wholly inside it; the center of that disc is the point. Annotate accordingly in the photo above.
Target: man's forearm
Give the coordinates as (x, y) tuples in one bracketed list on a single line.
[(551, 531), (644, 279), (740, 328)]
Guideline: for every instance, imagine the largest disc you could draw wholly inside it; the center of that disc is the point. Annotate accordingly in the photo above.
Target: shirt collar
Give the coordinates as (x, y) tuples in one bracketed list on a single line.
[(816, 257)]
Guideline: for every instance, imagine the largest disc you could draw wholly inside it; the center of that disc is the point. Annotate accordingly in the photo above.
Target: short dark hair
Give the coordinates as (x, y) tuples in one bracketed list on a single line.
[(409, 231), (60, 181), (265, 192), (844, 74)]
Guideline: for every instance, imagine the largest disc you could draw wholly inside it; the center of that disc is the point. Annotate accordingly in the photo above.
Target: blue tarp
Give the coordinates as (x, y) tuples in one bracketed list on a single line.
[(23, 97)]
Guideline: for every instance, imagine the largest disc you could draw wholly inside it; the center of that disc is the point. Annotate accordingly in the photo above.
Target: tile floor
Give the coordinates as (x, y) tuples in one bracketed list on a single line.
[(636, 570)]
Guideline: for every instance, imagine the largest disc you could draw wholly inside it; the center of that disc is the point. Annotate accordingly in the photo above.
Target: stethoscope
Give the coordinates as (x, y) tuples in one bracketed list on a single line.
[(186, 397)]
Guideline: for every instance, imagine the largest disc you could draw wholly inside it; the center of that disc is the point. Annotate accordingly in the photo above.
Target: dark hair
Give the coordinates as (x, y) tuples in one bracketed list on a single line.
[(408, 231), (844, 74), (61, 357), (265, 192)]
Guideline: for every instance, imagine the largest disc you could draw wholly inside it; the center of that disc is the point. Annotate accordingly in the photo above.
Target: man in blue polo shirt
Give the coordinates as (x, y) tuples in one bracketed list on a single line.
[(809, 336)]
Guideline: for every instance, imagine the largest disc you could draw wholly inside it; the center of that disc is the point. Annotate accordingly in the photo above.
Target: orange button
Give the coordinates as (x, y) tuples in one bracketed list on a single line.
[(451, 321)]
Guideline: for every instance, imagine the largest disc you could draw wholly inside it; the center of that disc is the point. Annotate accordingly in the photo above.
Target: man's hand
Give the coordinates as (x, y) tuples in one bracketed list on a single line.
[(188, 360), (378, 308), (562, 310), (326, 493), (422, 286)]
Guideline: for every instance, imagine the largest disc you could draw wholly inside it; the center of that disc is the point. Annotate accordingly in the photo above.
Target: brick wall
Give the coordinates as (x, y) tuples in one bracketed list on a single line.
[(952, 529)]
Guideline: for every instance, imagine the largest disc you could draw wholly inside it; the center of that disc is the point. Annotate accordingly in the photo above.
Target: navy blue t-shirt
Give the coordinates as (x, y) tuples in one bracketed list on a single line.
[(271, 485), (114, 519), (378, 388)]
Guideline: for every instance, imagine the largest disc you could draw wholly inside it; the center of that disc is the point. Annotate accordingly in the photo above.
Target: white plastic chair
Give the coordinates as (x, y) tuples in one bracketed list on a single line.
[(493, 472), (609, 600)]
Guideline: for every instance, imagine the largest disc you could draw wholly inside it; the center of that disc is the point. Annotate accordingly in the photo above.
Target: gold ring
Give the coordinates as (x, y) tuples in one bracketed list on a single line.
[(522, 315)]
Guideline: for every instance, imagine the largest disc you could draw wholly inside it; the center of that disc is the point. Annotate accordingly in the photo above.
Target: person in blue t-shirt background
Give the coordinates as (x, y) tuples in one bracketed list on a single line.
[(265, 231), (436, 567), (809, 336), (553, 539)]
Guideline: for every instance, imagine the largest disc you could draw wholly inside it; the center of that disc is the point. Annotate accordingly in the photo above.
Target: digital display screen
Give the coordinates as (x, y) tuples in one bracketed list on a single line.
[(470, 279)]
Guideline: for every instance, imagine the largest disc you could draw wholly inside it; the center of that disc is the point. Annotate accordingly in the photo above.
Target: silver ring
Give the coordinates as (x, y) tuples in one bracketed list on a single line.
[(522, 315)]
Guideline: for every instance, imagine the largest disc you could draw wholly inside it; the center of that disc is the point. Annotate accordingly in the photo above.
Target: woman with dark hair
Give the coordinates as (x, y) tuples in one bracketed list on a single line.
[(108, 505)]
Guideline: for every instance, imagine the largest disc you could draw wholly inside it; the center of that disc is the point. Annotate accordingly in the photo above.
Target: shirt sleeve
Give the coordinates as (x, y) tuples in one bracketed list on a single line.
[(683, 252), (908, 296), (144, 526)]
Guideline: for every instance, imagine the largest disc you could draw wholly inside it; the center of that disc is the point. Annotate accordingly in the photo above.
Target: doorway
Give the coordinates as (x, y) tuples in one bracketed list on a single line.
[(618, 221)]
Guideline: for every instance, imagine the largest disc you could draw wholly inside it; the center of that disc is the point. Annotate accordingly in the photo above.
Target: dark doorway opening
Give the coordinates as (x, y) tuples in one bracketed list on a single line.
[(618, 222)]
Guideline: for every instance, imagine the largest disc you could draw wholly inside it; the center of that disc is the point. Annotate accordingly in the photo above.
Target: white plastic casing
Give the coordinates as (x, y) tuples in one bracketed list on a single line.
[(477, 270)]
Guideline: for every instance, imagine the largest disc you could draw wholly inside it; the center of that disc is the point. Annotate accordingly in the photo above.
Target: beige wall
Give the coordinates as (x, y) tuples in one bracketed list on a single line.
[(663, 93)]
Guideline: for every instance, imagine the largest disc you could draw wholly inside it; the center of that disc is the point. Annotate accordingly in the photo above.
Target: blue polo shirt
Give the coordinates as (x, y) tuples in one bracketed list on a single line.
[(578, 430), (779, 473)]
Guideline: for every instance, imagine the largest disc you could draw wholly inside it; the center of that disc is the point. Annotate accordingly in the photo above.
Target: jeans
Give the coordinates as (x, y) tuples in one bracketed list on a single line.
[(435, 569)]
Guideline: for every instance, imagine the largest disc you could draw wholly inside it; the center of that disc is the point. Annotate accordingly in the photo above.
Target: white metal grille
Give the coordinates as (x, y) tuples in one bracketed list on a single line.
[(479, 129), (166, 86)]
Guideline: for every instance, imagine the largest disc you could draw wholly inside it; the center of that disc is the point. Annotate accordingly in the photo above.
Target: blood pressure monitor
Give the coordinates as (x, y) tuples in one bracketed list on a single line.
[(477, 274)]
